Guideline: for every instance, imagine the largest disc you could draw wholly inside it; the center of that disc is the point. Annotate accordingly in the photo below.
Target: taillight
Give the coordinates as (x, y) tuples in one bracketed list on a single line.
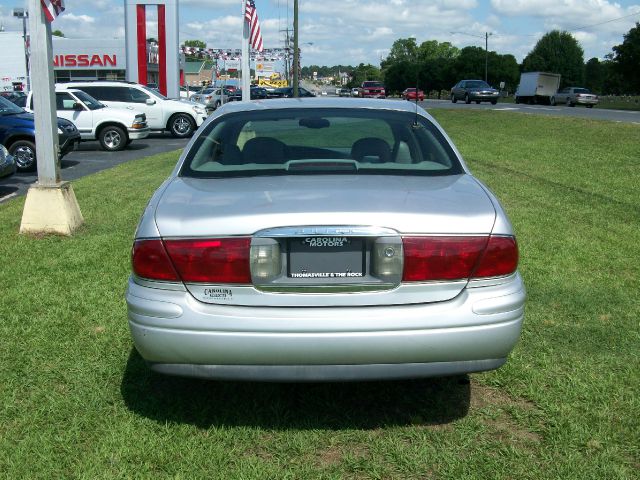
[(440, 258), (458, 258), (499, 258), (220, 260), (149, 260)]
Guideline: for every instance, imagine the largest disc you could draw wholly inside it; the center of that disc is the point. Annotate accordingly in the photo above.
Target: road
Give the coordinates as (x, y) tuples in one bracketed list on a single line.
[(625, 116), (90, 158)]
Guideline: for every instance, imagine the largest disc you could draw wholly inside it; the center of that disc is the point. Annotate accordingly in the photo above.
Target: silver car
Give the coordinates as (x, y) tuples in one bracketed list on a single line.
[(323, 239), (573, 96)]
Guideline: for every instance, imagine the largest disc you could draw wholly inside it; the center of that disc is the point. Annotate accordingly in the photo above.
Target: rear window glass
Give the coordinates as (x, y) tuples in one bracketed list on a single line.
[(320, 141)]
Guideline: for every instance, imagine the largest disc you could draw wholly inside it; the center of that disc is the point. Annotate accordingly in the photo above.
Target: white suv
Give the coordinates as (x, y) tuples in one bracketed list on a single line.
[(179, 117), (114, 128)]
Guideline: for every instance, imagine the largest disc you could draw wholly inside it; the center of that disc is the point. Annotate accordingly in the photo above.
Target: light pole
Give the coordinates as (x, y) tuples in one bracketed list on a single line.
[(296, 52), (486, 50), (24, 15)]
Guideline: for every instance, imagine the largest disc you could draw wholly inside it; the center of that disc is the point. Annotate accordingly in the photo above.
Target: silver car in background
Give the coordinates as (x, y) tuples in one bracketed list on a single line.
[(573, 96), (323, 239)]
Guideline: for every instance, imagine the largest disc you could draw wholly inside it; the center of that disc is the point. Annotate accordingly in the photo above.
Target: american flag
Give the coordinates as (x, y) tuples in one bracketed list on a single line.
[(52, 8), (251, 16)]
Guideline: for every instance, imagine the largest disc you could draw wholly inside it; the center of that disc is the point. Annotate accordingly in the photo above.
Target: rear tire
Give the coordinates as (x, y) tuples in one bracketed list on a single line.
[(453, 98), (112, 138), (493, 102), (24, 154), (589, 106)]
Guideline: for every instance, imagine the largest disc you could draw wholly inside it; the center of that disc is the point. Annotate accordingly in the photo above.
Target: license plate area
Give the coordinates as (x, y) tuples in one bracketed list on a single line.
[(326, 259)]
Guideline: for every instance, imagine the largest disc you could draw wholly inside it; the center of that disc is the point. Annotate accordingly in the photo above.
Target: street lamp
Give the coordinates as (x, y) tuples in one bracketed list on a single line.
[(24, 15), (486, 50)]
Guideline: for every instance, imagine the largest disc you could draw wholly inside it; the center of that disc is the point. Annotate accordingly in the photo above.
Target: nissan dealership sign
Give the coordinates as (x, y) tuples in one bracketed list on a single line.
[(70, 54)]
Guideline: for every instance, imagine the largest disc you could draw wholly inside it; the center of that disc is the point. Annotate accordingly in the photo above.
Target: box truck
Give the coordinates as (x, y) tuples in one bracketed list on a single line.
[(537, 87)]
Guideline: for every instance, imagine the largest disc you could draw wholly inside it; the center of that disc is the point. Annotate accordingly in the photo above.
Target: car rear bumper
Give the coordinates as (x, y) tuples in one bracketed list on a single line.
[(178, 335), (586, 101)]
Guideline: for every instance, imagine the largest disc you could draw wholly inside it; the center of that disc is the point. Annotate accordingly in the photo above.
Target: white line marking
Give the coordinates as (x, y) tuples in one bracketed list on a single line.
[(505, 109), (7, 197)]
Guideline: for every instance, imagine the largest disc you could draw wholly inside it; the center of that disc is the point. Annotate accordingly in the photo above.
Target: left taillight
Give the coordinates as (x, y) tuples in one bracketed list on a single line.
[(150, 260), (219, 260)]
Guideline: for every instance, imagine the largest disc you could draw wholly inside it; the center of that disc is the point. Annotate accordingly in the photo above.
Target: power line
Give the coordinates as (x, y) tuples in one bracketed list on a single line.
[(602, 23)]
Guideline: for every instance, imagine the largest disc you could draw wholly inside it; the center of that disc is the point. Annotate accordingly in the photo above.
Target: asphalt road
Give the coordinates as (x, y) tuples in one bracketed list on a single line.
[(90, 158), (625, 116)]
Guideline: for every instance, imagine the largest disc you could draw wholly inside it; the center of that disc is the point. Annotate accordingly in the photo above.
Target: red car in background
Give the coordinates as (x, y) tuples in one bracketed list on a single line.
[(410, 94), (372, 89)]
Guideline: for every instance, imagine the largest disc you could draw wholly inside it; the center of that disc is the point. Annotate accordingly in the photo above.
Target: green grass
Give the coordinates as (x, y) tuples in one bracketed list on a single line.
[(76, 401)]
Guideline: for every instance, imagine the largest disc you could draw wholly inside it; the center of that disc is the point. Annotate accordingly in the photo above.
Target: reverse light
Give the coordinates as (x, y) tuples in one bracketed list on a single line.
[(387, 259), (265, 260)]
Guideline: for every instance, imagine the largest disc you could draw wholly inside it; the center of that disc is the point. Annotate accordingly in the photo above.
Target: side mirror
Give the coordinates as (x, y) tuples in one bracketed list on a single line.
[(78, 106), (150, 101)]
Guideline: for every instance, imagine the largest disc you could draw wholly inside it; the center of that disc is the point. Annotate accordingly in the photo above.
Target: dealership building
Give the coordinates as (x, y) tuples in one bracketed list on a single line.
[(76, 59)]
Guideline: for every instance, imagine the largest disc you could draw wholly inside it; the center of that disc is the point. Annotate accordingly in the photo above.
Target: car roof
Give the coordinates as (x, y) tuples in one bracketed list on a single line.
[(323, 102)]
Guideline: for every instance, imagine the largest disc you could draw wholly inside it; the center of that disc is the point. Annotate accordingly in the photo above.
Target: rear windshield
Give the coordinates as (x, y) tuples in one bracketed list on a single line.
[(320, 141), (581, 90)]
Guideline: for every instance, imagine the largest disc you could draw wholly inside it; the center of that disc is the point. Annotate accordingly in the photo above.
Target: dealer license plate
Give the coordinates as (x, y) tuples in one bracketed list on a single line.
[(326, 257)]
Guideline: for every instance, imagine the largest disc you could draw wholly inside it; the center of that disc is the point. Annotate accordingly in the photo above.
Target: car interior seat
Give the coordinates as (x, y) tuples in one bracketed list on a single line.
[(264, 150), (371, 150)]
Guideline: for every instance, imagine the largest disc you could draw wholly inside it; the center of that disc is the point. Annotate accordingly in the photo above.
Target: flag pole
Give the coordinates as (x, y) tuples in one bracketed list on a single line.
[(246, 68), (51, 205)]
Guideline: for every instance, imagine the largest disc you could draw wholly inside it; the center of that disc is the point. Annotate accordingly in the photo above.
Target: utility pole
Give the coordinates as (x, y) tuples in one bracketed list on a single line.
[(486, 50), (296, 52), (24, 15), (486, 57)]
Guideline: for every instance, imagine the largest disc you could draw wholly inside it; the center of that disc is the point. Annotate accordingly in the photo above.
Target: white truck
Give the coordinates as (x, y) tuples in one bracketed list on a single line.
[(114, 128), (537, 87)]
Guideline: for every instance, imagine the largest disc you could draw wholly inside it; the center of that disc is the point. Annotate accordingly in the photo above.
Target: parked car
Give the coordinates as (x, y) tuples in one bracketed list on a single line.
[(13, 96), (355, 92), (573, 96), (18, 135), (474, 91), (114, 128), (287, 92), (255, 93), (286, 247), (410, 94), (7, 163), (180, 117), (344, 92)]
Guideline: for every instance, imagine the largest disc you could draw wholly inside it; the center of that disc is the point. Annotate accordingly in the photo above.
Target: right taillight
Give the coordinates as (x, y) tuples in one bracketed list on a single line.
[(458, 258), (499, 258)]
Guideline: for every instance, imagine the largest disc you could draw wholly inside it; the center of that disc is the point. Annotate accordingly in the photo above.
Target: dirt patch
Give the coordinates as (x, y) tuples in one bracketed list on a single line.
[(501, 423)]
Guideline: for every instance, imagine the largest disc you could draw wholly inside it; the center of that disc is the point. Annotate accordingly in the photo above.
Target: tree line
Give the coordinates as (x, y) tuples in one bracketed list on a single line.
[(434, 65)]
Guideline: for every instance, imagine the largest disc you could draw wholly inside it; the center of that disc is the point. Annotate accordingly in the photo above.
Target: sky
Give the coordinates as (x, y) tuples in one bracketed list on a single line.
[(350, 32)]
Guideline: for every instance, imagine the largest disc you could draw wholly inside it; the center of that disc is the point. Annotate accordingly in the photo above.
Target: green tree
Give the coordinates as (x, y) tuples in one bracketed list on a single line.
[(557, 52), (626, 59), (432, 49), (57, 33), (594, 73), (364, 72), (402, 50), (195, 43)]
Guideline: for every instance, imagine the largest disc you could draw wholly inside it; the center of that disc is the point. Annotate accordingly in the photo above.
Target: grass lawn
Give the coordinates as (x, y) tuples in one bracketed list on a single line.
[(76, 401)]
